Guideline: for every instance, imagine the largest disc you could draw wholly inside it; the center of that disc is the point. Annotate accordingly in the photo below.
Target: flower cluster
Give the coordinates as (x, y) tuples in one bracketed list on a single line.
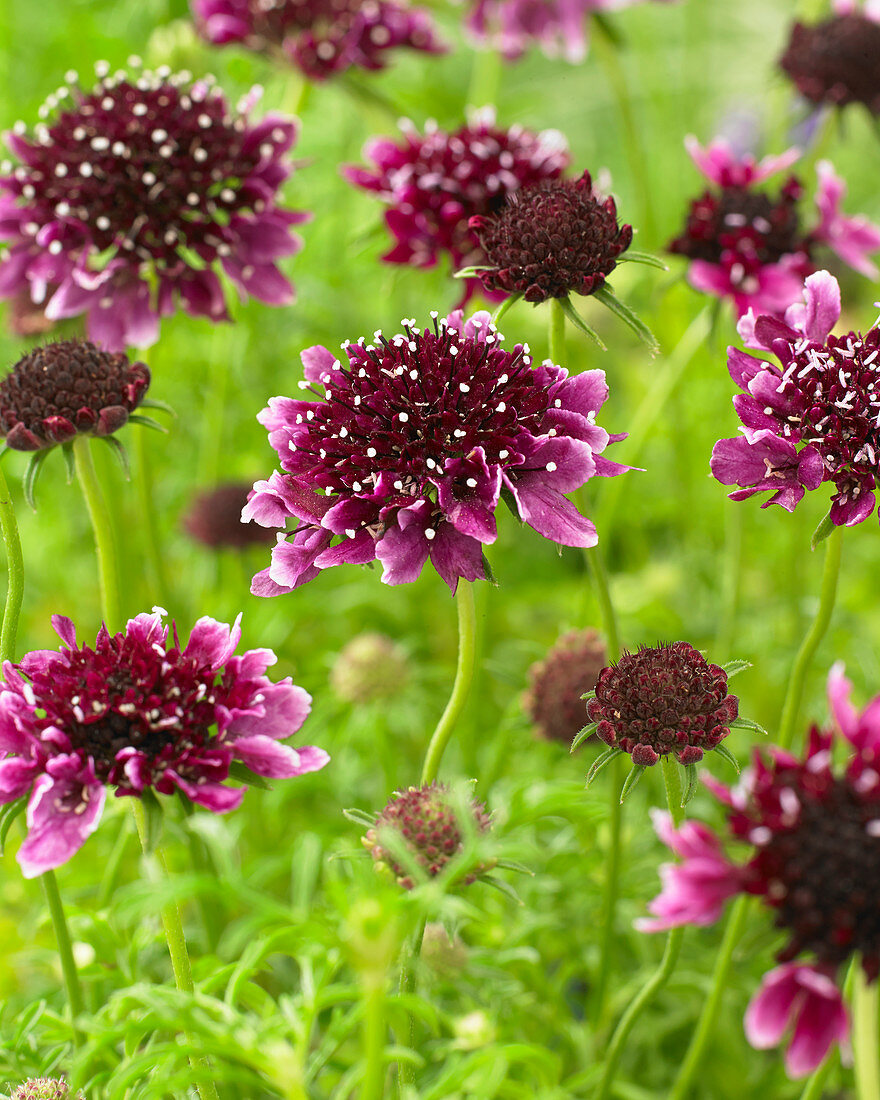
[(410, 445), (134, 713), (815, 861), (749, 245), (320, 37), (814, 418), (130, 194), (554, 700), (434, 182)]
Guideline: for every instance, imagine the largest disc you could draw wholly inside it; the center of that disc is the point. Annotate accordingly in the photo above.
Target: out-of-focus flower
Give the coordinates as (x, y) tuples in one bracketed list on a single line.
[(134, 713), (23, 318), (406, 452), (130, 195), (814, 418), (749, 245), (369, 668), (554, 700), (214, 518), (43, 1088), (433, 184), (321, 37)]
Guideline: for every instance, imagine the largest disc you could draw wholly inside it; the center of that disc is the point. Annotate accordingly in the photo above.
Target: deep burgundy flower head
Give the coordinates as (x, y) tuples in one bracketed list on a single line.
[(321, 37), (139, 711), (434, 183), (835, 61), (426, 820), (214, 518), (554, 700), (751, 245), (130, 195), (369, 668), (406, 453), (42, 1088), (815, 417), (660, 700), (552, 240), (65, 389)]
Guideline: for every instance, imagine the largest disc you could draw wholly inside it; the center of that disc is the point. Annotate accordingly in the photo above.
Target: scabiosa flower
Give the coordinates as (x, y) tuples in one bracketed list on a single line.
[(554, 700), (814, 418), (369, 668), (139, 712), (749, 245), (434, 183), (815, 861), (406, 453), (214, 518), (129, 196), (42, 1088), (425, 821), (835, 61), (321, 37)]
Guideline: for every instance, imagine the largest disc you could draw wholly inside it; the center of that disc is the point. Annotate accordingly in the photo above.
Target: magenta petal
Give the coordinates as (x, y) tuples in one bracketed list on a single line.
[(821, 1022), (62, 813), (285, 707), (16, 776), (770, 1010), (212, 643), (317, 361), (457, 557), (213, 796), (822, 297), (264, 756), (553, 516)]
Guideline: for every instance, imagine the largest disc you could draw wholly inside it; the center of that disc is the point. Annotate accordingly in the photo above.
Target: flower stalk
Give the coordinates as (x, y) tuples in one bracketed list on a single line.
[(866, 1036), (108, 567), (15, 572), (65, 950)]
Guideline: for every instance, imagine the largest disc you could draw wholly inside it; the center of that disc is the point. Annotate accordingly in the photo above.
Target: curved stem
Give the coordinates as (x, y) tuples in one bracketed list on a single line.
[(65, 950), (708, 1016), (464, 674), (108, 568), (866, 1037), (15, 572), (556, 332), (795, 691), (646, 994), (176, 941)]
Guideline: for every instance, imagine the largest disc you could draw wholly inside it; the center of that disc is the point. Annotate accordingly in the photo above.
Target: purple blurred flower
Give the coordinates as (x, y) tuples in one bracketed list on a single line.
[(410, 446), (321, 37), (812, 419), (136, 713), (750, 246), (815, 861), (131, 194), (434, 183)]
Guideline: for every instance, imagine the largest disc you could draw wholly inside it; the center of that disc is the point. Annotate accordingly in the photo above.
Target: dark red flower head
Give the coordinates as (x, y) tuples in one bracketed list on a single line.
[(65, 389), (214, 518), (661, 700), (554, 700), (426, 821), (836, 61), (552, 240)]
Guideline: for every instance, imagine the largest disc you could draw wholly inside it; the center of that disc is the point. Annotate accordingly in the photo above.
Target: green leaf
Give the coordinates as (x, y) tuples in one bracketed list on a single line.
[(147, 422), (471, 272), (634, 257), (747, 724), (734, 668), (153, 403), (504, 307), (578, 322), (512, 865), (634, 776), (8, 814), (589, 695), (724, 752), (608, 298), (600, 762), (153, 815), (822, 532), (31, 475), (244, 775), (583, 734), (69, 461), (119, 453), (692, 781), (502, 886), (360, 817)]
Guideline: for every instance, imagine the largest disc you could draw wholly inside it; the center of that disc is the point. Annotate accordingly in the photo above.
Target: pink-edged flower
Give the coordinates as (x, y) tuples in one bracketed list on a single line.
[(433, 183), (814, 834), (835, 61), (320, 37), (814, 418), (749, 245), (138, 712), (131, 195), (411, 444)]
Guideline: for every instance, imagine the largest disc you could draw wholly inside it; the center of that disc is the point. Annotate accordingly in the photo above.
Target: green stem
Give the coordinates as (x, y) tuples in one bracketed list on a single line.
[(65, 950), (705, 1025), (652, 987), (557, 332), (108, 568), (176, 940), (486, 73), (596, 562), (373, 1085), (15, 570), (815, 1085), (147, 517), (866, 1037), (405, 1072), (464, 674), (795, 691)]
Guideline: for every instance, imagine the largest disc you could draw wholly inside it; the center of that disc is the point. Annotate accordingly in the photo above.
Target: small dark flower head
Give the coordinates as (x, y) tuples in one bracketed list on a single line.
[(68, 388), (425, 820), (661, 700), (42, 1088), (552, 240), (554, 700), (370, 667), (214, 518), (835, 61)]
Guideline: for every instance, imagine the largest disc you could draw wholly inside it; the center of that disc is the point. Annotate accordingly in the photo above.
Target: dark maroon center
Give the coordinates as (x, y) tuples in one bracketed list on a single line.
[(836, 60)]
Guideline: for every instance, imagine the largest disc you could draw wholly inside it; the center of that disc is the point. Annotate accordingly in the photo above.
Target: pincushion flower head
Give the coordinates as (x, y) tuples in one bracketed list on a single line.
[(554, 700), (139, 712), (320, 37), (835, 62), (814, 418), (129, 196), (750, 245), (433, 183), (410, 445), (814, 835)]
